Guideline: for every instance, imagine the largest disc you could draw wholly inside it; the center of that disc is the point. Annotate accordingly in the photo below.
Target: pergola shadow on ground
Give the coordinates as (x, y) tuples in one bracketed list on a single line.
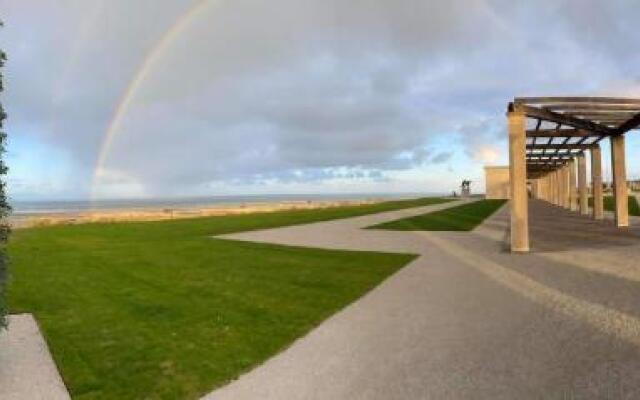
[(553, 229), (586, 259), (547, 160)]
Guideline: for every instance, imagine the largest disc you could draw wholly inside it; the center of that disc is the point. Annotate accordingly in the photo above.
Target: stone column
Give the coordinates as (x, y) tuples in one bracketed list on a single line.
[(561, 186), (596, 182), (554, 187), (618, 168), (582, 184), (518, 182), (573, 190), (545, 190), (565, 187)]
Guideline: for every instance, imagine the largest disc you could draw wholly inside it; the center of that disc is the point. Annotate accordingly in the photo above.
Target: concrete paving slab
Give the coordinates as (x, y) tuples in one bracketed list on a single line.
[(27, 371), (468, 319)]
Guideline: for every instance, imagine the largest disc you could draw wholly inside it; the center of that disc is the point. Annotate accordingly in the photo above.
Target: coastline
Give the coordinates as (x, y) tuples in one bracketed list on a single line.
[(140, 214)]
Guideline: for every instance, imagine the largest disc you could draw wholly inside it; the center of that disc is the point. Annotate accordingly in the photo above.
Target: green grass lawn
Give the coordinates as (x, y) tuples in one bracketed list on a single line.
[(609, 205), (162, 310), (461, 218)]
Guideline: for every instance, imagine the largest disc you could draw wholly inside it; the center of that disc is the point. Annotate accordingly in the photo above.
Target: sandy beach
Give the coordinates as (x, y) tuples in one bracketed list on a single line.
[(27, 220)]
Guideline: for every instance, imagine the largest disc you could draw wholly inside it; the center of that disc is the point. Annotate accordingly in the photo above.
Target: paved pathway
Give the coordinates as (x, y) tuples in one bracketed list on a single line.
[(27, 371), (467, 319)]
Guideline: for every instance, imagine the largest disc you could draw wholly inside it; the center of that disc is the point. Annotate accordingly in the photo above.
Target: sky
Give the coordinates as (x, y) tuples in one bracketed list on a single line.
[(147, 98)]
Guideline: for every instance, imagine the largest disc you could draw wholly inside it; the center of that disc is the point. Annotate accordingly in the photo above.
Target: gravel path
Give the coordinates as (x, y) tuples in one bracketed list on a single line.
[(467, 319)]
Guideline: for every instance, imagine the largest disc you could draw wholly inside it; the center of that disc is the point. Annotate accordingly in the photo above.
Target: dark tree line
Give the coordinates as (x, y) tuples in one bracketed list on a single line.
[(4, 206)]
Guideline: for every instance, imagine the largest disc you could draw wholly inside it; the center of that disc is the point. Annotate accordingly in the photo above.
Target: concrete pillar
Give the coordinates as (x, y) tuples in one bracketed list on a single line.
[(552, 187), (559, 186), (535, 188), (573, 190), (518, 181), (556, 188), (566, 203), (548, 190), (547, 185), (582, 184), (618, 169), (563, 187), (596, 182)]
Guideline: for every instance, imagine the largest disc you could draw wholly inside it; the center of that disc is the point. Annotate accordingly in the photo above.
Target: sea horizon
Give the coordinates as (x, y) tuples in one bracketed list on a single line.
[(63, 206)]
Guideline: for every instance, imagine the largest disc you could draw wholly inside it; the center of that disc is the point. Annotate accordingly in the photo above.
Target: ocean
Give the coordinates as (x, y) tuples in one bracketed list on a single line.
[(74, 206)]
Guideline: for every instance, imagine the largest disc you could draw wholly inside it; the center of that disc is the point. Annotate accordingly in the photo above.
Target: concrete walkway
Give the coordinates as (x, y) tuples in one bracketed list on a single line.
[(27, 371), (467, 319)]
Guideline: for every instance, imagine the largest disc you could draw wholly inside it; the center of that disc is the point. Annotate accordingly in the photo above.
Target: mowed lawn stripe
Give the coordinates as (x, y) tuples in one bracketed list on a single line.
[(609, 204), (464, 217)]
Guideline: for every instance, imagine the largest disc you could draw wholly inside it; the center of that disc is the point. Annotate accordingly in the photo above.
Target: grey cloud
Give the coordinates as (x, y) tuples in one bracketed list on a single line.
[(288, 90), (442, 157)]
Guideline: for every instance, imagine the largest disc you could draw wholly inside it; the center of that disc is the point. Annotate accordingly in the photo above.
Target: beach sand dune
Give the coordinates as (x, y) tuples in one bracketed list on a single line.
[(159, 213)]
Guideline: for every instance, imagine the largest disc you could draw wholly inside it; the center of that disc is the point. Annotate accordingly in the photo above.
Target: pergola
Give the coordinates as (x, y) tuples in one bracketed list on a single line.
[(547, 158)]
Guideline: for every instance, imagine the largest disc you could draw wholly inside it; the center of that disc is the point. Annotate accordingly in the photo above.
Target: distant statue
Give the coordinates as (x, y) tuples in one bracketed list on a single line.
[(465, 188)]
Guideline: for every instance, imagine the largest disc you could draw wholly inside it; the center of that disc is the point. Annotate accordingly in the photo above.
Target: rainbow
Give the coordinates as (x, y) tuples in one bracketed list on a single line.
[(149, 61)]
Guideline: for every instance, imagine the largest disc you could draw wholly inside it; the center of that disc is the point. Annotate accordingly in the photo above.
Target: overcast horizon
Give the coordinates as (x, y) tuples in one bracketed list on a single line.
[(147, 99)]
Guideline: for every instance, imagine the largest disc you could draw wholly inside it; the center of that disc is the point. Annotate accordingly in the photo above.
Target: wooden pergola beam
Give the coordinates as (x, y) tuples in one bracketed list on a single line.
[(576, 100), (541, 157), (593, 107), (561, 133), (552, 116), (564, 142), (632, 123), (600, 113), (607, 122), (530, 153), (547, 158), (568, 146), (540, 168), (610, 118), (602, 117)]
